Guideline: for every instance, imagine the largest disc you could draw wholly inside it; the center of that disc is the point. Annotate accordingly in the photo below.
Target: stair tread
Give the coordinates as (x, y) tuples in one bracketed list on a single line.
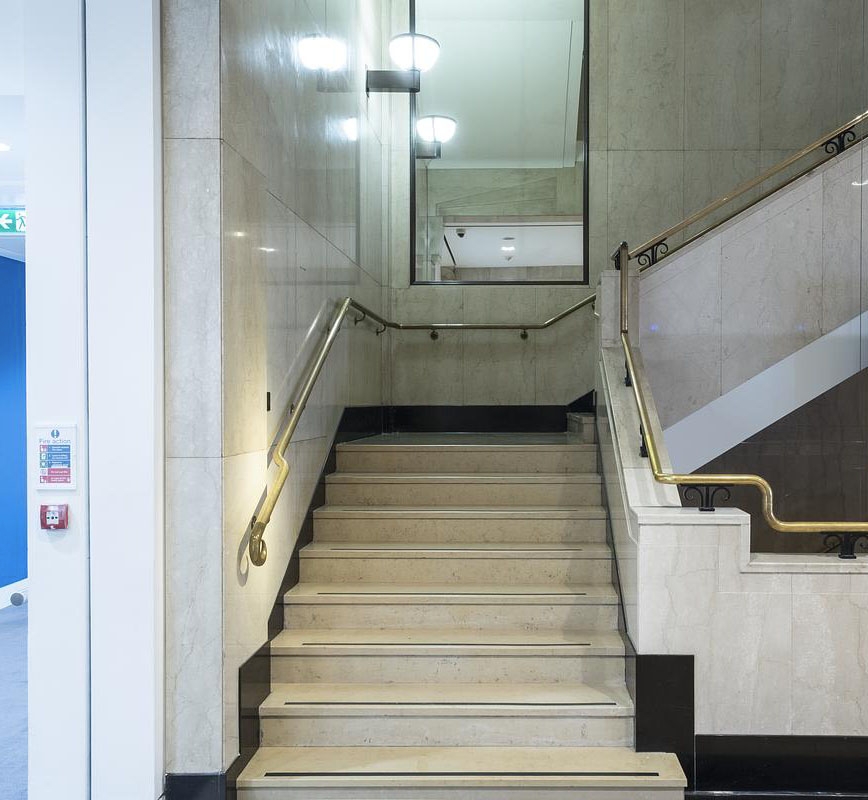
[(465, 550), (398, 593), (586, 767), (463, 512), (436, 641), (465, 477), (481, 443), (457, 699)]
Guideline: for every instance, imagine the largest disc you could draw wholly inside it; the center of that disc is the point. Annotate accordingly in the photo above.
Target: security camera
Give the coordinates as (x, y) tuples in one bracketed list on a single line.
[(462, 232)]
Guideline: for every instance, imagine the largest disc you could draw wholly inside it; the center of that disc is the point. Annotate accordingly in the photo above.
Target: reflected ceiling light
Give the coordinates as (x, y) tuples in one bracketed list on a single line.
[(509, 249), (414, 51), (322, 53), (855, 183), (268, 249), (436, 128), (350, 127), (5, 148)]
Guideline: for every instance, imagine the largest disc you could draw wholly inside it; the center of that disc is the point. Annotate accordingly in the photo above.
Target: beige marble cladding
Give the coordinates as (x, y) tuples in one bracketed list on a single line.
[(276, 210), (778, 640), (759, 288)]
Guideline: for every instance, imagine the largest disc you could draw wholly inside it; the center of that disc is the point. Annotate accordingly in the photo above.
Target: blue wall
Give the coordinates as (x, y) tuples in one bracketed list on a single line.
[(13, 430)]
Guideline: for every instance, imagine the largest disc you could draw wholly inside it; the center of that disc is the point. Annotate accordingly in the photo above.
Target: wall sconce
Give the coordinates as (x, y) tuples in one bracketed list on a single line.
[(414, 54), (322, 53), (436, 128)]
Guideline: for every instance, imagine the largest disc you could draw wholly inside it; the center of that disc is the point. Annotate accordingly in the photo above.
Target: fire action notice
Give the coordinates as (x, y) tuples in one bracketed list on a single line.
[(57, 457)]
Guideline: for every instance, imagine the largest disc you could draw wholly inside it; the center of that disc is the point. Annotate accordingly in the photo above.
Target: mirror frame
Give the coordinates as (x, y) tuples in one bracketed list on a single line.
[(584, 105)]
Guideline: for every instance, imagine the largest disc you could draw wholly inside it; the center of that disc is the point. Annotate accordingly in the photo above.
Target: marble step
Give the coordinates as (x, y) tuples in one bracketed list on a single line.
[(460, 773), (447, 656), (421, 454), (393, 605), (498, 564), (450, 525), (461, 490), (444, 715), (582, 426)]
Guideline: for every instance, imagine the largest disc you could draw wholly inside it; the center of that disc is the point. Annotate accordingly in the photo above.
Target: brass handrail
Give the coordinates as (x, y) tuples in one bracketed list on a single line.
[(830, 142), (727, 479), (257, 548)]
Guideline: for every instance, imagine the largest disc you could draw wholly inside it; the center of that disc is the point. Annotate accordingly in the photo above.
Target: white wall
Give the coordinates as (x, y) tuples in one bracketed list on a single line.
[(58, 642), (125, 369)]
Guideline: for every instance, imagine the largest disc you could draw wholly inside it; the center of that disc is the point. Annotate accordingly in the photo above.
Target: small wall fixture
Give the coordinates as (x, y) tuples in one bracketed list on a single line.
[(436, 128), (414, 54), (414, 51), (428, 150)]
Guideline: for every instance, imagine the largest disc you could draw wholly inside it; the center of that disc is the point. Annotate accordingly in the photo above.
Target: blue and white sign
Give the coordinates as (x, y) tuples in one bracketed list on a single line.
[(57, 457)]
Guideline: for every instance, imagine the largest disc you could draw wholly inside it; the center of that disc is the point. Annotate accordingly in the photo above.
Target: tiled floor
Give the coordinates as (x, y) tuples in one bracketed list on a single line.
[(13, 702)]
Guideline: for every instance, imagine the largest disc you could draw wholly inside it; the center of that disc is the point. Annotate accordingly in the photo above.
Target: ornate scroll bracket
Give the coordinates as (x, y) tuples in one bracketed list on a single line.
[(706, 493), (838, 144), (845, 543), (649, 257)]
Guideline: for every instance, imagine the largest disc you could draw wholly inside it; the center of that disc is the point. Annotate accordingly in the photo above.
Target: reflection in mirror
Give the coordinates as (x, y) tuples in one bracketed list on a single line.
[(500, 130)]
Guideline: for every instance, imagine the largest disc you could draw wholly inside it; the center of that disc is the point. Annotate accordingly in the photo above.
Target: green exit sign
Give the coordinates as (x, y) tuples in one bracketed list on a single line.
[(13, 221)]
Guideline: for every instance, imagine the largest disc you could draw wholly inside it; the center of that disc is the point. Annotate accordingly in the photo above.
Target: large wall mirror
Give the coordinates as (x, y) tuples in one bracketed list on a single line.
[(499, 182)]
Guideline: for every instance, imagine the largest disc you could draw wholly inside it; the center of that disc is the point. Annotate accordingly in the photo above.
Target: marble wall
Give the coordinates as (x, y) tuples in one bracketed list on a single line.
[(777, 639), (276, 192), (691, 97), (688, 98), (757, 289)]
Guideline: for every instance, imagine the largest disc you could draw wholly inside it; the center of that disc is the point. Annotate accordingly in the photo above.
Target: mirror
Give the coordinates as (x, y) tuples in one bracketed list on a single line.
[(499, 131)]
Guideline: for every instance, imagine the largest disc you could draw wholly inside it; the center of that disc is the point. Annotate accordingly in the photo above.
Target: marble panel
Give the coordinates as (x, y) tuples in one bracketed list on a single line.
[(190, 39), (244, 64), (193, 311), (709, 174), (597, 216), (842, 240), (830, 682), (741, 675), (564, 354), (646, 75), (426, 372), (680, 324), (598, 133), (194, 647), (244, 307), (722, 75), (771, 290), (851, 85), (645, 194), (799, 65), (281, 273), (499, 365)]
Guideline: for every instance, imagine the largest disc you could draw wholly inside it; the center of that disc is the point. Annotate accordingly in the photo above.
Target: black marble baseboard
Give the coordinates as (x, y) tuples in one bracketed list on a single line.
[(196, 787), (476, 419), (814, 766)]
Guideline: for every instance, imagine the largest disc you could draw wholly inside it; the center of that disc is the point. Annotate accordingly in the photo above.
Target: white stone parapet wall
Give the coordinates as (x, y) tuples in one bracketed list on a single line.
[(779, 641)]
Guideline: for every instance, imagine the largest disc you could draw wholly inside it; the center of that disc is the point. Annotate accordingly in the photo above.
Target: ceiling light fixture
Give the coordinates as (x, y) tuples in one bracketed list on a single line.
[(322, 53), (508, 249), (414, 51), (436, 128), (5, 148), (268, 249)]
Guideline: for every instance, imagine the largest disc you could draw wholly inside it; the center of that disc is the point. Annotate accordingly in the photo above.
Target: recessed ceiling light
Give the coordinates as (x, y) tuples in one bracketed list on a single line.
[(5, 148), (239, 234), (508, 249), (268, 249)]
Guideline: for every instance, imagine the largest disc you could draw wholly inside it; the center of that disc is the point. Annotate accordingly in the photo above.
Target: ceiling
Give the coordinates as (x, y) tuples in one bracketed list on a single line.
[(12, 120), (543, 244), (510, 73)]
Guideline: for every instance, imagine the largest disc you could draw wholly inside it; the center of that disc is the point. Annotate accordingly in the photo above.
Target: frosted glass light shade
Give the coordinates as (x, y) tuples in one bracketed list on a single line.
[(436, 128), (414, 51), (322, 53)]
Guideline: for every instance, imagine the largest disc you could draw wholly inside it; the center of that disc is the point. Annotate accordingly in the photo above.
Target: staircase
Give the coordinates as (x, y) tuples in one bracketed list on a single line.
[(455, 633)]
